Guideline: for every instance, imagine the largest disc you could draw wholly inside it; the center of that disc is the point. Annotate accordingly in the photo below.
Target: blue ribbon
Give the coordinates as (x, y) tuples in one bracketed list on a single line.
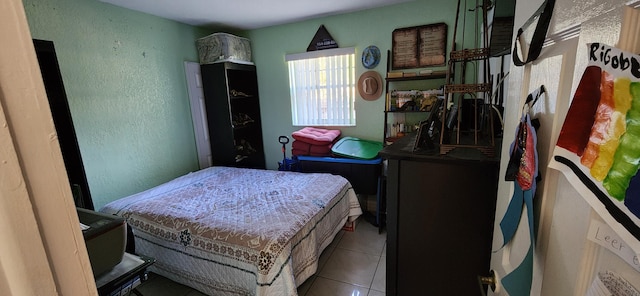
[(511, 220), (518, 282)]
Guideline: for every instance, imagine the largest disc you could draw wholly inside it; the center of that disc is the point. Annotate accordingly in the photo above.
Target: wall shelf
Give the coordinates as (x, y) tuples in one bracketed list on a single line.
[(438, 75), (391, 113)]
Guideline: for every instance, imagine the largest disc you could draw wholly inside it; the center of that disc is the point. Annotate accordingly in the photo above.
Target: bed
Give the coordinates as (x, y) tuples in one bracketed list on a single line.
[(233, 231)]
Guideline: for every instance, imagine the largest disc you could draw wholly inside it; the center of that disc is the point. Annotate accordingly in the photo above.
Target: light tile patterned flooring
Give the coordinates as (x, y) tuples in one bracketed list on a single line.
[(353, 264)]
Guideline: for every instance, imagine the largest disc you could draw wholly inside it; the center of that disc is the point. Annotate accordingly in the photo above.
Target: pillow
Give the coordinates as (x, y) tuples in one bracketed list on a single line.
[(316, 136)]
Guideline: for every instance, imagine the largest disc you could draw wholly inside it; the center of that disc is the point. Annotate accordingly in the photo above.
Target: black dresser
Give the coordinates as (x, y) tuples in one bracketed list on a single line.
[(440, 216)]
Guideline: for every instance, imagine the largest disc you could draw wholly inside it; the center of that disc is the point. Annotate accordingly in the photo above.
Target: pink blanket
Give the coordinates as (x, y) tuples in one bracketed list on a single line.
[(302, 148)]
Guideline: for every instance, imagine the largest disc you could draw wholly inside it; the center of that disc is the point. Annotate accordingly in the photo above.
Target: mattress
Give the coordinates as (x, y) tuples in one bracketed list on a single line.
[(232, 231)]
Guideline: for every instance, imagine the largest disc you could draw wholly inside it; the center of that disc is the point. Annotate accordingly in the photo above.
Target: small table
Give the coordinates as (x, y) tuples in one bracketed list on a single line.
[(365, 175), (125, 276)]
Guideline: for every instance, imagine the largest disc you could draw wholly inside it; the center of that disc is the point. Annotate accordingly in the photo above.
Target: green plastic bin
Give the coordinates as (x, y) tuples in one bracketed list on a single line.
[(356, 148)]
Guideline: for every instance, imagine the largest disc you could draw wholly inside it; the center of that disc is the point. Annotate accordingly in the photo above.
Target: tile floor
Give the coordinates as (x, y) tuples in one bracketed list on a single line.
[(353, 264)]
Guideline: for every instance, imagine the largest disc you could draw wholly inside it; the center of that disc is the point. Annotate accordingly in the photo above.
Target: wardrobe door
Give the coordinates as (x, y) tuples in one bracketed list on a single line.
[(61, 114)]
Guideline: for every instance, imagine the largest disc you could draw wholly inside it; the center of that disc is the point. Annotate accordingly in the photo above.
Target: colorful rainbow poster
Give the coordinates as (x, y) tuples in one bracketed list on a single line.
[(598, 148)]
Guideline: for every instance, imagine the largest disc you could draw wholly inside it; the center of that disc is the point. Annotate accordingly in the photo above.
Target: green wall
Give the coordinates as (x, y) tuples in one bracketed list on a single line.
[(359, 30), (124, 77)]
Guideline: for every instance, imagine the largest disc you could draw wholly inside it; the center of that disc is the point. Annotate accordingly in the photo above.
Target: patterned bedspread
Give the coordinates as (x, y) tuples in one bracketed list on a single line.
[(230, 231)]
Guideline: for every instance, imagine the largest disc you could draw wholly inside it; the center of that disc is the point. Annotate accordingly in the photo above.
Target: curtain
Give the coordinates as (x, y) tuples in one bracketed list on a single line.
[(322, 87)]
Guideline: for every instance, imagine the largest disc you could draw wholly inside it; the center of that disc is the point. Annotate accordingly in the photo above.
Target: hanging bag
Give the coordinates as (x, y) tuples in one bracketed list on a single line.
[(528, 169), (517, 149), (523, 161)]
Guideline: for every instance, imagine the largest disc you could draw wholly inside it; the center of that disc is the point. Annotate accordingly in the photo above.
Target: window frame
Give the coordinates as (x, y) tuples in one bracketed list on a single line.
[(339, 93)]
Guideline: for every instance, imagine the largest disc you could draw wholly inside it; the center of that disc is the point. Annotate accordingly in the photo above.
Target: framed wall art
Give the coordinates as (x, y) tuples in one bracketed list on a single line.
[(420, 46)]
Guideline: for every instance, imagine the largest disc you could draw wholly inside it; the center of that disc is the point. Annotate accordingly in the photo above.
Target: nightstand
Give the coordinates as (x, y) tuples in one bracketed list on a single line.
[(124, 277)]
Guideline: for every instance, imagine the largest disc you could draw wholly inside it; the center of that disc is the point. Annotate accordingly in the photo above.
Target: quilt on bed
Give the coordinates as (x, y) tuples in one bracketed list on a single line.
[(231, 231)]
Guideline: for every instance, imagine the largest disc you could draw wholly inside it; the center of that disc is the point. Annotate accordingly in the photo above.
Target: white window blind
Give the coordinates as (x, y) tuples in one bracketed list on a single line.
[(322, 86)]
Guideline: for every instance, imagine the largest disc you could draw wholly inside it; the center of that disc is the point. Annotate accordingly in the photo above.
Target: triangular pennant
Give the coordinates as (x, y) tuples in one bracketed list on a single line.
[(322, 40)]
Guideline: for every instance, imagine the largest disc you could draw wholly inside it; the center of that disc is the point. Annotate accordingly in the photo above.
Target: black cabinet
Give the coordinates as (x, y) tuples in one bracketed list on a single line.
[(233, 114), (440, 213)]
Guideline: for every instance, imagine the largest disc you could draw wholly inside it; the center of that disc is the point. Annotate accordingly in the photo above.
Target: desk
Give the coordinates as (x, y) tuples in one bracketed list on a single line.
[(125, 276), (363, 174)]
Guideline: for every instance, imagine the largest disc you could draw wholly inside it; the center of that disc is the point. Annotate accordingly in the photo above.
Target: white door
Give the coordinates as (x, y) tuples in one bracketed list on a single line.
[(198, 113), (565, 261)]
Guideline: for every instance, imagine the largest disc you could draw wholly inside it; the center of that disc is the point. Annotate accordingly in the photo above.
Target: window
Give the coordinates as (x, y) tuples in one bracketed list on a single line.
[(322, 86)]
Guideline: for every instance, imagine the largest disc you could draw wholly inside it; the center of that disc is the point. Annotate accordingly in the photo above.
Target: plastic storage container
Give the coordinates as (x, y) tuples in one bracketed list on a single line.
[(224, 47), (356, 148)]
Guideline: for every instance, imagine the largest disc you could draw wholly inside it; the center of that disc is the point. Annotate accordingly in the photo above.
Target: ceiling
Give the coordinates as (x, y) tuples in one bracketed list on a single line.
[(247, 14)]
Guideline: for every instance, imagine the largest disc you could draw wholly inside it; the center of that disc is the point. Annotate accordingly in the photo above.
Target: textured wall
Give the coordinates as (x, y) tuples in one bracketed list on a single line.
[(124, 77), (359, 30)]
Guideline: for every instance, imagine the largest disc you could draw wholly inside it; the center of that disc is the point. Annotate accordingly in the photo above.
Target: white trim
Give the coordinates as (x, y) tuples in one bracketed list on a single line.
[(198, 113), (634, 4), (319, 53), (589, 262)]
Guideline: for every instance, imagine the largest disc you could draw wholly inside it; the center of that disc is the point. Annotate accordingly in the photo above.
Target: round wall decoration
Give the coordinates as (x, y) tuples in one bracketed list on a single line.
[(371, 57)]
